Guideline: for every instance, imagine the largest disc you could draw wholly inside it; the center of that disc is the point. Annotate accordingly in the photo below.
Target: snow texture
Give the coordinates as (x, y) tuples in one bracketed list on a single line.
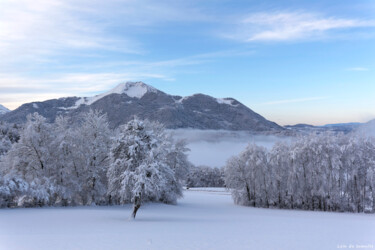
[(131, 89), (3, 110), (204, 219), (316, 172), (224, 101)]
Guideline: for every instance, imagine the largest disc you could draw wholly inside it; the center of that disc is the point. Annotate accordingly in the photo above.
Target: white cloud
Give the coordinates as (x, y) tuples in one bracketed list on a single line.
[(15, 91), (41, 30), (35, 30), (287, 26), (358, 69), (308, 99), (46, 45)]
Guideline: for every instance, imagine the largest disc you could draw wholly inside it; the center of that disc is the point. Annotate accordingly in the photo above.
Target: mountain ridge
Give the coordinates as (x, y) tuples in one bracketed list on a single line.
[(3, 110), (198, 111)]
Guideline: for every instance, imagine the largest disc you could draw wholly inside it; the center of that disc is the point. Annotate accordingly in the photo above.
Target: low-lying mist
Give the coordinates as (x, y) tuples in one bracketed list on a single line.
[(214, 147)]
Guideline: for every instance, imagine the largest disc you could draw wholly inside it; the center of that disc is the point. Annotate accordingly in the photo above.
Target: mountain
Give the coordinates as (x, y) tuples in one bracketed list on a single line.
[(3, 110), (338, 127), (368, 128), (131, 99)]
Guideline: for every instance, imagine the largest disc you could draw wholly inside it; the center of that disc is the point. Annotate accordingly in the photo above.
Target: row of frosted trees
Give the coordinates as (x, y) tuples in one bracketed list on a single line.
[(316, 172), (204, 176), (9, 134), (85, 162)]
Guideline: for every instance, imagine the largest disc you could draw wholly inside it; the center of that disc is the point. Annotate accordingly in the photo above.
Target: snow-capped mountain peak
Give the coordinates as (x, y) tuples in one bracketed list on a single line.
[(131, 99), (3, 110), (131, 89)]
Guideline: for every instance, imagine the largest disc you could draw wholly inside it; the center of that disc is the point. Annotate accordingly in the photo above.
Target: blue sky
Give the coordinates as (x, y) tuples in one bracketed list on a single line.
[(291, 61)]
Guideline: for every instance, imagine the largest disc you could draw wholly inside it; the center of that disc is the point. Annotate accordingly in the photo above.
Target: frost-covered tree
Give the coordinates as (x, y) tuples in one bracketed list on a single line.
[(29, 160), (60, 163), (329, 172), (9, 134), (283, 175), (68, 162), (245, 176), (5, 145), (93, 138), (204, 176), (177, 158), (139, 170)]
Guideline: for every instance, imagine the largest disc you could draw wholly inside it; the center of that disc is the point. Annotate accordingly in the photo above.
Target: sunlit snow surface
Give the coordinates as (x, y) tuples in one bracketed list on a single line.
[(204, 219), (131, 89)]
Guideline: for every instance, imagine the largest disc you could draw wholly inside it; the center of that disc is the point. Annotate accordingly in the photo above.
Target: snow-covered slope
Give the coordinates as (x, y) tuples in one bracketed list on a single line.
[(3, 110), (131, 89), (228, 101), (204, 219), (131, 99)]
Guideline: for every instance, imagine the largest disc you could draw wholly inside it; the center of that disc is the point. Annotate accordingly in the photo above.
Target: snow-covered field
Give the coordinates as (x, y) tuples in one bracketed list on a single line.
[(204, 219)]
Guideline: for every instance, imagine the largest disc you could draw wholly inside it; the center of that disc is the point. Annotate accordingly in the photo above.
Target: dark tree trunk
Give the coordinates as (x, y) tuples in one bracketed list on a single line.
[(248, 193), (137, 205)]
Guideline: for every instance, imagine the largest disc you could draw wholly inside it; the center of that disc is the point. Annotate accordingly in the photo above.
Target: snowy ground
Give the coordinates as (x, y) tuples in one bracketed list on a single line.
[(204, 219)]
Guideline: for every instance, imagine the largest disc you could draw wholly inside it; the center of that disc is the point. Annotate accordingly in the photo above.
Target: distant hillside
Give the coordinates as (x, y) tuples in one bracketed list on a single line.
[(3, 110), (138, 99), (338, 127)]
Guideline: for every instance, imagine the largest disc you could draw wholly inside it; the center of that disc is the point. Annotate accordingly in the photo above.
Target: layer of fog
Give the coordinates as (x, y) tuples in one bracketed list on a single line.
[(214, 147), (368, 128)]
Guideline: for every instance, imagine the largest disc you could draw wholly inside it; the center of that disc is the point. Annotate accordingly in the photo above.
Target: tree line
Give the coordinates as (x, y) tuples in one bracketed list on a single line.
[(82, 163), (327, 172), (205, 176)]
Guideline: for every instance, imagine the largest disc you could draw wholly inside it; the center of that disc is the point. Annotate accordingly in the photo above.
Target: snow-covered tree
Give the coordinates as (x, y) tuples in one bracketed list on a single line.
[(60, 163), (329, 172), (66, 159), (93, 138), (246, 176), (9, 134), (139, 169), (29, 161), (177, 158), (204, 176)]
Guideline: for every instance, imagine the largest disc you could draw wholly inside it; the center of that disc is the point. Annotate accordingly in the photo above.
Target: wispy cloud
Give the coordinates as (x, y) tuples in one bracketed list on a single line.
[(41, 30), (34, 31), (61, 48), (308, 99), (15, 91), (357, 69), (94, 78), (290, 26)]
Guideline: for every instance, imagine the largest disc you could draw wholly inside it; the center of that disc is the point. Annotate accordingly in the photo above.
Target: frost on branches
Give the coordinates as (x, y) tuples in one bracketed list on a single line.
[(145, 165), (317, 172), (57, 164), (9, 134), (70, 163), (204, 176), (66, 163)]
